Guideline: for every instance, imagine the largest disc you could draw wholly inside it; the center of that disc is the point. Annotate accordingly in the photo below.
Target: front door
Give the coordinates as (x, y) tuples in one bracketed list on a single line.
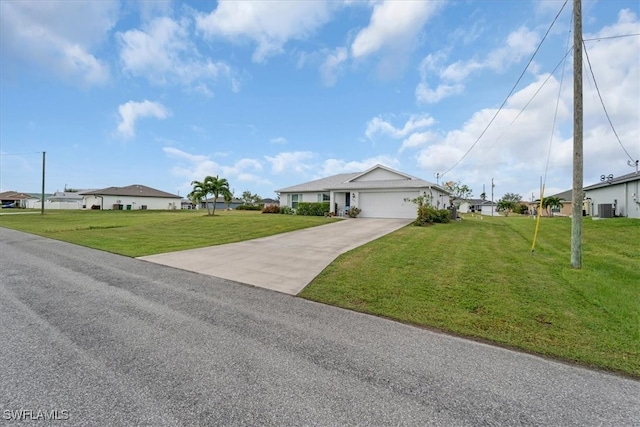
[(347, 201)]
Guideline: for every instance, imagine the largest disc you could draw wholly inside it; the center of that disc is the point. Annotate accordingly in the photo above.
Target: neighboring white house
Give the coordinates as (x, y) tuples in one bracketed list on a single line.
[(379, 192), (479, 206), (614, 197), (61, 200), (132, 197)]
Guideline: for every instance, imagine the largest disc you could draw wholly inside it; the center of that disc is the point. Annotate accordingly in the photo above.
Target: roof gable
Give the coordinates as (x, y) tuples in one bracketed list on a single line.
[(380, 173), (377, 177)]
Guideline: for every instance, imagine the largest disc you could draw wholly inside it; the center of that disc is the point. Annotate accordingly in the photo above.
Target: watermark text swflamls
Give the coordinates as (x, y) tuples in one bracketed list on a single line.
[(35, 415)]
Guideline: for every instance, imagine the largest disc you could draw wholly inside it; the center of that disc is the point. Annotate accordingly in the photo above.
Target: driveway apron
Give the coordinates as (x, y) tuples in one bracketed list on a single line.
[(284, 262)]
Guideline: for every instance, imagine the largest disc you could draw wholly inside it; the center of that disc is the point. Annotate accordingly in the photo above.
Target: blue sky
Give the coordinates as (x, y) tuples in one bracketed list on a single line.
[(272, 94)]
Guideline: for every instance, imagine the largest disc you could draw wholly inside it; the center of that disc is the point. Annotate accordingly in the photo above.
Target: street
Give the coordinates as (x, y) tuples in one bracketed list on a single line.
[(94, 338)]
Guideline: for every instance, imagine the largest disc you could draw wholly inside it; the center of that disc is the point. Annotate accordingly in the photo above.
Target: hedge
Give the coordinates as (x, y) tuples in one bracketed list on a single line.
[(312, 209)]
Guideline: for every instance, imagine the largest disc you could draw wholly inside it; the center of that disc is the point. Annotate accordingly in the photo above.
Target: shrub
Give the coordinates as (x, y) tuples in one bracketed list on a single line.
[(354, 211), (249, 208), (521, 208), (428, 215), (286, 210), (312, 209), (271, 209)]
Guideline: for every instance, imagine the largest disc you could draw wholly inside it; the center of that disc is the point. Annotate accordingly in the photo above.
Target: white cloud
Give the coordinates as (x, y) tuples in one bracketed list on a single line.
[(518, 44), (196, 166), (292, 161), (131, 111), (332, 65), (379, 126), (278, 140), (393, 24), (516, 154), (335, 166), (162, 52), (58, 36), (243, 165), (426, 95), (269, 24), (418, 139)]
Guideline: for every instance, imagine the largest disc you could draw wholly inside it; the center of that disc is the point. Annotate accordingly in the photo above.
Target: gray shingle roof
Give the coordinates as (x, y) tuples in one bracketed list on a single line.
[(132, 191), (616, 180), (322, 184), (343, 181)]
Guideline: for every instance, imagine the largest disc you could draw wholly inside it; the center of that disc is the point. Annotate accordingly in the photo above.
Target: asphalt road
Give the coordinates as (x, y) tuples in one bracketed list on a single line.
[(101, 339)]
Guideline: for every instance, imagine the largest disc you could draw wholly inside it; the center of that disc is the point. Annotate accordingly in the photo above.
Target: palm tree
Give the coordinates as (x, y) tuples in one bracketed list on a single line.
[(550, 203), (215, 186), (200, 191), (218, 186), (228, 198)]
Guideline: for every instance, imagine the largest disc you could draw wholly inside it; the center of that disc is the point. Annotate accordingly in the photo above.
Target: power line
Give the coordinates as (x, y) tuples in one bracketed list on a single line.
[(611, 37), (544, 83), (20, 154), (510, 92), (603, 106)]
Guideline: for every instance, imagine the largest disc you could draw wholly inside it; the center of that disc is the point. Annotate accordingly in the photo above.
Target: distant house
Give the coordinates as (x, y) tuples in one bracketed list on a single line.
[(132, 197), (566, 198), (63, 200), (608, 198), (186, 204), (379, 192), (17, 200), (221, 204), (479, 206), (618, 196), (269, 201)]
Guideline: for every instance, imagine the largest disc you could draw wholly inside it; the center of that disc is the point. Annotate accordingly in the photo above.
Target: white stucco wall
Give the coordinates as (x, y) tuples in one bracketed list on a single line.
[(152, 203), (625, 196), (58, 205)]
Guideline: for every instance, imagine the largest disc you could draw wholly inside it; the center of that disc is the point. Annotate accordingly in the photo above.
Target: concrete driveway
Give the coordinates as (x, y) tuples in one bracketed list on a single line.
[(285, 262)]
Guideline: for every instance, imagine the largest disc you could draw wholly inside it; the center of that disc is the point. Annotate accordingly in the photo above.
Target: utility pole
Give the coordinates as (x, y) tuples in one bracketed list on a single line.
[(492, 185), (44, 153), (578, 192)]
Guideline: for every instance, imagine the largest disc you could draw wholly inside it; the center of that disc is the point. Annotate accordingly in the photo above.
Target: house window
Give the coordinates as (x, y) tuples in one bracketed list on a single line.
[(323, 197), (295, 199)]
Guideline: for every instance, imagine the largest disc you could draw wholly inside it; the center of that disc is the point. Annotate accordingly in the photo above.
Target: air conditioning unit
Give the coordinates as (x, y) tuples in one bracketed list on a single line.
[(605, 210)]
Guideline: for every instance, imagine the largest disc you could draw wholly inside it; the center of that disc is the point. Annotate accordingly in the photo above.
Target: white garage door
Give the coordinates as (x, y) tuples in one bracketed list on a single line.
[(388, 205)]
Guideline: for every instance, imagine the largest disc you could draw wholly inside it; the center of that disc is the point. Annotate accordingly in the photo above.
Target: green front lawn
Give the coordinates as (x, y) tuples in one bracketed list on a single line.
[(139, 233), (478, 278)]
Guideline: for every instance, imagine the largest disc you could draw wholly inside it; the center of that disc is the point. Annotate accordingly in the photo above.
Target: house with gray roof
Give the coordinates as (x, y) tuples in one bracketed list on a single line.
[(379, 192), (614, 196), (479, 206), (132, 197)]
